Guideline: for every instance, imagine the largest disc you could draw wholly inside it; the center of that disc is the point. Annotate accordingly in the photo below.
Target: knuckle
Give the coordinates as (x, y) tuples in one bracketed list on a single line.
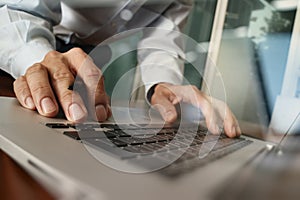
[(53, 54), (38, 88), (21, 89), (93, 77), (78, 50), (36, 68), (66, 96), (18, 81), (160, 89), (21, 79), (93, 72), (62, 75), (54, 57), (23, 92)]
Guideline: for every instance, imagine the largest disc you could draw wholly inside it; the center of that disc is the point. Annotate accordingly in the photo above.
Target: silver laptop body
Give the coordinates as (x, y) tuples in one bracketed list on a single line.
[(69, 169)]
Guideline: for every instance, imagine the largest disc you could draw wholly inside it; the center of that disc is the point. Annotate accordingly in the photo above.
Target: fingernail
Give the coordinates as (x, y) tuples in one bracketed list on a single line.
[(76, 112), (48, 105), (101, 113), (29, 103)]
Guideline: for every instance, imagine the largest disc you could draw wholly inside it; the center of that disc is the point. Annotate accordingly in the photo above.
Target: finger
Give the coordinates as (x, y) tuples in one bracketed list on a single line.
[(162, 101), (231, 126), (23, 94), (217, 115), (71, 102), (212, 119), (191, 94), (166, 109), (61, 79), (100, 101), (93, 80), (41, 91)]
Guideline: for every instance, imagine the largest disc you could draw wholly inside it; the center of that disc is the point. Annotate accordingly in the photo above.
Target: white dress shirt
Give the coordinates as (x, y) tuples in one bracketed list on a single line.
[(28, 29)]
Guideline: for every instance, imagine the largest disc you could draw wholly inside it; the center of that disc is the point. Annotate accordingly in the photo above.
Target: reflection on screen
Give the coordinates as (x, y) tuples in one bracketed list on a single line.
[(253, 56)]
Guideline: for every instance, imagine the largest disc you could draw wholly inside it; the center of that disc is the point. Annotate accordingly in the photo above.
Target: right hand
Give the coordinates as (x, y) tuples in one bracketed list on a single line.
[(217, 113), (45, 85)]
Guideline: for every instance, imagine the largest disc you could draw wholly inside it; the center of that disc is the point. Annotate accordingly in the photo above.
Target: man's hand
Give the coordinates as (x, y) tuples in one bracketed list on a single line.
[(46, 85), (166, 96)]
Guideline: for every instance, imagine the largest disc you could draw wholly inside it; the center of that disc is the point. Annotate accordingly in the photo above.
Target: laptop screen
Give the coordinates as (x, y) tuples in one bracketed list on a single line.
[(252, 53)]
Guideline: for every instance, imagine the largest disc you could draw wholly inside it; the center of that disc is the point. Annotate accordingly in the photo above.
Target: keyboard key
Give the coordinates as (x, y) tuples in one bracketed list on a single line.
[(57, 125), (72, 134), (167, 131), (208, 138), (196, 142), (110, 126), (119, 143), (118, 126), (118, 133), (94, 134), (150, 140), (156, 146), (110, 135), (78, 135), (179, 144), (131, 140), (227, 142), (86, 126), (142, 149), (108, 146), (162, 138)]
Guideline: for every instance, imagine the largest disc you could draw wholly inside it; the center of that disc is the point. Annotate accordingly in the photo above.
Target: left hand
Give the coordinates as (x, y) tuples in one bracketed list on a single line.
[(166, 96), (45, 86)]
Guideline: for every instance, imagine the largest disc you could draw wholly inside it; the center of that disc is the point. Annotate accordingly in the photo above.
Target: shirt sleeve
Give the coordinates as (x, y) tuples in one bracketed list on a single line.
[(26, 33), (160, 52)]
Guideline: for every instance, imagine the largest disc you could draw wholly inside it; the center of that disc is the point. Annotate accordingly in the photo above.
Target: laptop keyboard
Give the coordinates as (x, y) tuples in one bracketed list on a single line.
[(159, 142)]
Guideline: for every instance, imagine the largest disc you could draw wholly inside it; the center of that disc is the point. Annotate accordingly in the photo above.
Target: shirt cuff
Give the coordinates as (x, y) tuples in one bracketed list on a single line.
[(31, 53), (150, 93), (160, 67)]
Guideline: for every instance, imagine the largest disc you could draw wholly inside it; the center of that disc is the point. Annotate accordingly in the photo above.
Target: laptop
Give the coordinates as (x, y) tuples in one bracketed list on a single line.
[(72, 163), (272, 174)]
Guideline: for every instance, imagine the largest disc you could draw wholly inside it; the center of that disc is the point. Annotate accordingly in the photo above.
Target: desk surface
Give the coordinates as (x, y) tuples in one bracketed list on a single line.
[(6, 85), (15, 183)]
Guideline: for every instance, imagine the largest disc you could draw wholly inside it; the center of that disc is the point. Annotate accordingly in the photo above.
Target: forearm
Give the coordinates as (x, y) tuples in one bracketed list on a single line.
[(45, 9), (26, 36), (161, 52)]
